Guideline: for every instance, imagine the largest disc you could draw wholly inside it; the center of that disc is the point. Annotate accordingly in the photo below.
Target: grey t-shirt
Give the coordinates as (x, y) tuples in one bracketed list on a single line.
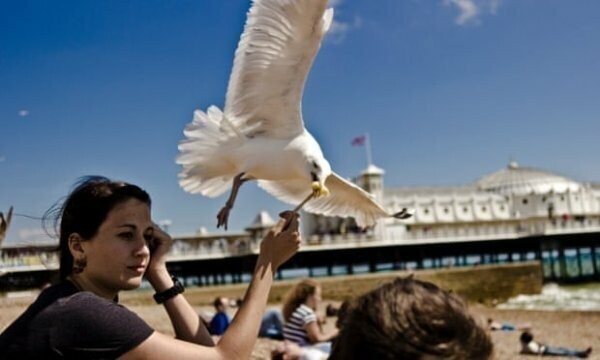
[(65, 323)]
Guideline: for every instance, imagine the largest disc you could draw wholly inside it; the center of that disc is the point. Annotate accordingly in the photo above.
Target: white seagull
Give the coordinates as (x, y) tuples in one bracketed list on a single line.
[(261, 135)]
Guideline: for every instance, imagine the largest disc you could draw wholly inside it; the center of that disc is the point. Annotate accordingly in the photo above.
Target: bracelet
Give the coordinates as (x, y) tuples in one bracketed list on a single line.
[(176, 289)]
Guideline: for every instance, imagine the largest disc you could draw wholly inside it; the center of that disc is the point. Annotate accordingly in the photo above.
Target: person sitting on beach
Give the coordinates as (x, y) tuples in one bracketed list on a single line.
[(271, 325), (220, 321), (108, 242), (301, 322), (409, 319), (291, 351), (505, 326), (530, 346)]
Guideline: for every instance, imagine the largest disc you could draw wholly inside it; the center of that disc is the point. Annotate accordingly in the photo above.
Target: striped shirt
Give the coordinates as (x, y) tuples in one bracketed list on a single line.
[(293, 329)]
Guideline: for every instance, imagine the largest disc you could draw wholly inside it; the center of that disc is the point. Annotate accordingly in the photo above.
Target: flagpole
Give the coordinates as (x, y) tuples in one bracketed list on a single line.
[(368, 149)]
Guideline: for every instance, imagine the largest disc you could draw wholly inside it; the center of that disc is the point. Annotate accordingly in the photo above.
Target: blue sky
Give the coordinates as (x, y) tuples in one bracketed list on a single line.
[(447, 89)]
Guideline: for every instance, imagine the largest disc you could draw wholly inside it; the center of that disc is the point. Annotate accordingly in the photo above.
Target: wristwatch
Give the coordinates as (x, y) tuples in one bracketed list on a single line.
[(177, 288)]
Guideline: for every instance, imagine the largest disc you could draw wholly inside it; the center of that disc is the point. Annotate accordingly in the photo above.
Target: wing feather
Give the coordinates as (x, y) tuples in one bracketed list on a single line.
[(345, 199), (274, 55)]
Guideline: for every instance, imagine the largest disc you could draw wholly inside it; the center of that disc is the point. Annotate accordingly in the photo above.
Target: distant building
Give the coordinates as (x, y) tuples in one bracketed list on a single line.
[(513, 200)]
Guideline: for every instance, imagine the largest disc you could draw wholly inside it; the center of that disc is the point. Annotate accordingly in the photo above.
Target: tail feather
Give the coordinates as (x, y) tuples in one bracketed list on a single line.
[(205, 169)]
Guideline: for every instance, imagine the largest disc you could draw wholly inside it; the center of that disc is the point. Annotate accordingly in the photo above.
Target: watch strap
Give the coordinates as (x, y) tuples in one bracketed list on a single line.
[(177, 288)]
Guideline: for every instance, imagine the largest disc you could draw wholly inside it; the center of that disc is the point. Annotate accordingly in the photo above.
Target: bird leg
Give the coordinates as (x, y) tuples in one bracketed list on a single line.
[(223, 215), (297, 208), (286, 214)]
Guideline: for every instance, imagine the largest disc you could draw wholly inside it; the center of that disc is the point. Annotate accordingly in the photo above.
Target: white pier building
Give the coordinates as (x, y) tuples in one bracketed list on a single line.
[(512, 202)]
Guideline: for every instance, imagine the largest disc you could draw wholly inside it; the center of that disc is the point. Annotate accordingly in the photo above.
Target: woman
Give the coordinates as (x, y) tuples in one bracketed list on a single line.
[(108, 242), (301, 323)]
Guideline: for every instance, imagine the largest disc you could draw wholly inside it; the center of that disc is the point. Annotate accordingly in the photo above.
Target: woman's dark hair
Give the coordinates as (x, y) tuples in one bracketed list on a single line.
[(407, 319), (85, 209)]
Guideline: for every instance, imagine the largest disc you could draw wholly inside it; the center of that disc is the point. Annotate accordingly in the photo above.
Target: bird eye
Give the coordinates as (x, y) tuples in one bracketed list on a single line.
[(315, 165), (314, 176)]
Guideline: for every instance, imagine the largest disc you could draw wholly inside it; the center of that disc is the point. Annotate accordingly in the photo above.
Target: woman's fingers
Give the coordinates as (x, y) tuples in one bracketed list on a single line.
[(160, 245), (291, 220), (283, 241)]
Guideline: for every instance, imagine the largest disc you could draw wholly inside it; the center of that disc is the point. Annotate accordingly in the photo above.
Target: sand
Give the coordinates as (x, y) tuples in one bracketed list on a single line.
[(559, 328)]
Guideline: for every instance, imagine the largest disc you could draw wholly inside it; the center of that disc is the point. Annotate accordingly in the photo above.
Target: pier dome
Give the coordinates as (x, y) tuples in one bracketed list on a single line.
[(516, 180)]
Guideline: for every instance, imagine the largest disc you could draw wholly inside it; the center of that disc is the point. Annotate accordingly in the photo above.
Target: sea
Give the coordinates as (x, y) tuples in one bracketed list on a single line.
[(583, 297)]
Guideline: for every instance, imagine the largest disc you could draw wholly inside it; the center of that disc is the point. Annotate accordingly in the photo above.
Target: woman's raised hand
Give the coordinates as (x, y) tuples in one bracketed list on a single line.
[(282, 241), (160, 245)]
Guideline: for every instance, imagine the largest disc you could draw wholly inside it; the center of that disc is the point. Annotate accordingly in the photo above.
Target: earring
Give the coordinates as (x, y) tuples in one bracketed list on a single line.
[(79, 264)]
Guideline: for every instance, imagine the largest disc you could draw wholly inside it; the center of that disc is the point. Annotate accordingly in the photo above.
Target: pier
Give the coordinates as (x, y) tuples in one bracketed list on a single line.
[(565, 255), (516, 214)]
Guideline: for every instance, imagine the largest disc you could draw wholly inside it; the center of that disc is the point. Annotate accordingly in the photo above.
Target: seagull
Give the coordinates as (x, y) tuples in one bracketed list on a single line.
[(260, 134)]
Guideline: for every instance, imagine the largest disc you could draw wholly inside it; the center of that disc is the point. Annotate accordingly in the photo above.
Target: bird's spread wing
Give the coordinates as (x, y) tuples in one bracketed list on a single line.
[(274, 55), (345, 199)]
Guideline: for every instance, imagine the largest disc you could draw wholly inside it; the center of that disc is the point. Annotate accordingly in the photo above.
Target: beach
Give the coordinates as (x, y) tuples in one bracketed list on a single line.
[(578, 329)]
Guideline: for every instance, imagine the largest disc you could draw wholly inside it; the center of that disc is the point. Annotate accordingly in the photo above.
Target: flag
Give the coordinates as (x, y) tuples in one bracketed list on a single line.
[(358, 141)]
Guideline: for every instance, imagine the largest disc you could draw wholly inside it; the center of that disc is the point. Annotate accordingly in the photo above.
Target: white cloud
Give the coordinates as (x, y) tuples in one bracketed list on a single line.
[(338, 30), (23, 113), (471, 10)]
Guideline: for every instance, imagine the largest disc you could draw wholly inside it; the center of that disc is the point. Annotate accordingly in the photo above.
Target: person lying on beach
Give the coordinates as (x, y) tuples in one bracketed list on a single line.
[(505, 326), (532, 347), (409, 319), (108, 242), (302, 324)]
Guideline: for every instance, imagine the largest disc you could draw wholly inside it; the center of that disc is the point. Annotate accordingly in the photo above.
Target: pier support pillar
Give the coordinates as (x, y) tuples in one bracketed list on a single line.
[(579, 265), (595, 263)]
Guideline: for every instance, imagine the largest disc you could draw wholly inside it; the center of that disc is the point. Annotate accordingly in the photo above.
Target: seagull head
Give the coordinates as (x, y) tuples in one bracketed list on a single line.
[(319, 170)]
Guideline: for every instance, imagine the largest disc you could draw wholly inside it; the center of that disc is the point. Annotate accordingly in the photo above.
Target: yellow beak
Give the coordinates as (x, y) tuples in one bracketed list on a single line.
[(319, 190)]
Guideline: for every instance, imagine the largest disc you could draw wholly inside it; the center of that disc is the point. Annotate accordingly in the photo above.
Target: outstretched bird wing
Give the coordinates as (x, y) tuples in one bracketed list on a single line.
[(345, 199), (275, 52)]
